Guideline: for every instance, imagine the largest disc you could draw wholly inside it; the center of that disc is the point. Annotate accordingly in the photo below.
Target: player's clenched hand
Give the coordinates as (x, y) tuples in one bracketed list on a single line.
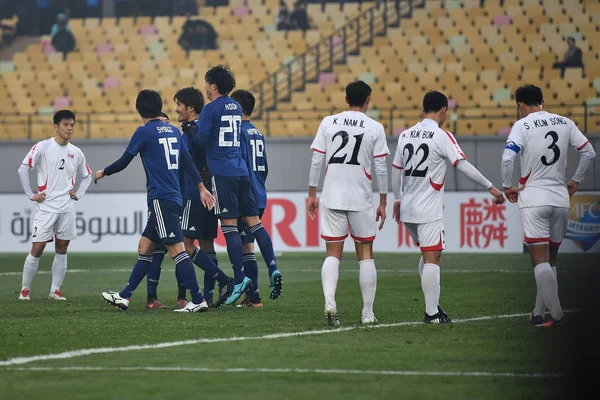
[(572, 187), (40, 197), (73, 195), (512, 193), (208, 200), (497, 195), (396, 213), (98, 175), (311, 207), (380, 215)]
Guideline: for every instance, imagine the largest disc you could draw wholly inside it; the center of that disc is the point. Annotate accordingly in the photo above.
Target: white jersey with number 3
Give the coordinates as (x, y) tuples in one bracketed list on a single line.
[(350, 141), (422, 153), (56, 168), (543, 139)]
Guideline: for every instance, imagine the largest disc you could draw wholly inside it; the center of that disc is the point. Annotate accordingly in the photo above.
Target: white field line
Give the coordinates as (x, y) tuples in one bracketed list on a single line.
[(315, 270), (107, 350), (296, 371)]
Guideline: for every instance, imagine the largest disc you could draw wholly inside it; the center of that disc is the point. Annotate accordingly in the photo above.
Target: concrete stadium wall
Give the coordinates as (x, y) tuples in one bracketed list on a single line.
[(289, 163)]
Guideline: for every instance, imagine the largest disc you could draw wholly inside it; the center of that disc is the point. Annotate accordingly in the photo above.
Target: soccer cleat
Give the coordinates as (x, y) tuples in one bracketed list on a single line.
[(238, 290), (247, 301), (536, 320), (552, 322), (181, 303), (155, 305), (438, 318), (443, 313), (114, 299), (57, 295), (24, 294), (276, 285), (191, 307), (331, 316), (368, 320), (224, 292)]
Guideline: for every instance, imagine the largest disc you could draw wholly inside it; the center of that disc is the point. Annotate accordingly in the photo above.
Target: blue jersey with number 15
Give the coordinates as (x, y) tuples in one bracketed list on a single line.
[(255, 155), (220, 120), (159, 145)]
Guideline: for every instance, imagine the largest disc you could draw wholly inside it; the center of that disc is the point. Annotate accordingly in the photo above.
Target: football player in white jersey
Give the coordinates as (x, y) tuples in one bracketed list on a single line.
[(418, 176), (352, 144), (57, 162), (543, 139)]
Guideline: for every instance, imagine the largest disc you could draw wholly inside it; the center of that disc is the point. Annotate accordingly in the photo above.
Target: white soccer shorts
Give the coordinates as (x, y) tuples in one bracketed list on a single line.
[(429, 235), (545, 224), (335, 225), (47, 225)]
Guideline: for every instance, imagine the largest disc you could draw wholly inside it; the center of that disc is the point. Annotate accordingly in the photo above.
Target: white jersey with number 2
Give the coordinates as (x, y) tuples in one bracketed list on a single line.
[(422, 153), (56, 168), (350, 141), (543, 139)]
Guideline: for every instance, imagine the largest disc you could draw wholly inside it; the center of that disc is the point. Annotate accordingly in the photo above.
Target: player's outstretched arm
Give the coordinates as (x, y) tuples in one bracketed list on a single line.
[(468, 170), (115, 167), (313, 182), (586, 160)]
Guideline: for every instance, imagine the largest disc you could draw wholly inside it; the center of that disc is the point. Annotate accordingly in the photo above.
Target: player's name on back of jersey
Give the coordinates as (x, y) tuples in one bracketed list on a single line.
[(350, 122), (544, 122), (416, 133), (164, 129)]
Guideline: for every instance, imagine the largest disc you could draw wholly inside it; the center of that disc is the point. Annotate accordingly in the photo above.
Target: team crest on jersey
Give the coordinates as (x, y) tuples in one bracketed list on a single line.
[(584, 220), (71, 155)]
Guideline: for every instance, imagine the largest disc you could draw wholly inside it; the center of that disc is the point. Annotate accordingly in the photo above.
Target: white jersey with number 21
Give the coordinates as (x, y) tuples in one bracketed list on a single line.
[(350, 141), (543, 139)]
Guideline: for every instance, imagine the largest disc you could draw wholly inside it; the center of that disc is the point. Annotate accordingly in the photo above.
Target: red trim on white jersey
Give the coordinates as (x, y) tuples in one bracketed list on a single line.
[(381, 155), (318, 151), (582, 146), (88, 168), (363, 239), (369, 177), (456, 162), (334, 238), (43, 187), (454, 143), (523, 180), (30, 162), (397, 167), (437, 186)]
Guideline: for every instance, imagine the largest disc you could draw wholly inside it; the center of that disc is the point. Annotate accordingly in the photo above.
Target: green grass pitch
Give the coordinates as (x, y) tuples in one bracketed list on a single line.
[(387, 362)]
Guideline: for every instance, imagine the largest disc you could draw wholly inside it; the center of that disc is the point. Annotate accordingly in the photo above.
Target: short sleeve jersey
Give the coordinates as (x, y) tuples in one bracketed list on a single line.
[(543, 139), (350, 141), (421, 154), (56, 167), (220, 120), (254, 153), (159, 145)]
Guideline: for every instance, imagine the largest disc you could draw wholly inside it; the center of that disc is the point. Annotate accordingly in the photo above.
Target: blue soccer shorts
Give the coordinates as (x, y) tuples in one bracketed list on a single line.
[(197, 222), (163, 224), (233, 197)]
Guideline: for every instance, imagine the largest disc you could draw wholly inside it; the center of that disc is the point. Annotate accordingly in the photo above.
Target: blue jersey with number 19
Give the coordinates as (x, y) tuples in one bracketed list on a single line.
[(255, 155), (159, 145), (220, 120)]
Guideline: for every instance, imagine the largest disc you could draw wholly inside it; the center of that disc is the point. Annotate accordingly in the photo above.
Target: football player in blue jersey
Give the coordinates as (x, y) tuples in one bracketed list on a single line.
[(162, 150), (219, 129), (254, 154)]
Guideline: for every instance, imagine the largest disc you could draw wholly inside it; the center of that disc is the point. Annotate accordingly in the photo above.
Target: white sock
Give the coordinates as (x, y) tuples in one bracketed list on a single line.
[(547, 287), (368, 285), (59, 269), (421, 264), (430, 283), (540, 306), (329, 277), (30, 268)]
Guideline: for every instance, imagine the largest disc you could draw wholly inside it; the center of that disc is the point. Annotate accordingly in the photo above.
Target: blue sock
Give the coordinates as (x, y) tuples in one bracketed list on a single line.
[(181, 289), (235, 251), (153, 275), (187, 272), (205, 263), (137, 274), (266, 246), (209, 280), (251, 269)]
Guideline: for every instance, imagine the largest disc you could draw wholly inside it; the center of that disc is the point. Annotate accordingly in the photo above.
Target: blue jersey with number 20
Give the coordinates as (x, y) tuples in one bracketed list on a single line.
[(220, 120), (159, 145), (254, 153)]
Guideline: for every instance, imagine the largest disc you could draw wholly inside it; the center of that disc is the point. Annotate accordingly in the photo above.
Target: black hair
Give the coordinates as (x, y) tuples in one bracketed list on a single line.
[(63, 114), (357, 93), (246, 100), (222, 77), (148, 104), (571, 38), (530, 95), (164, 115), (434, 101), (190, 97)]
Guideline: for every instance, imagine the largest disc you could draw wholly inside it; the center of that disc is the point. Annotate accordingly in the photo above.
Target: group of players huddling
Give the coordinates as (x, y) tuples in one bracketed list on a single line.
[(216, 168)]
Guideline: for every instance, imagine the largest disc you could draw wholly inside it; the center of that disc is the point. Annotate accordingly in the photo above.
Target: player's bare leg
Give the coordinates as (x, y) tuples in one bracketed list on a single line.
[(539, 311), (59, 269), (367, 279), (30, 268), (430, 284), (545, 279), (329, 280)]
